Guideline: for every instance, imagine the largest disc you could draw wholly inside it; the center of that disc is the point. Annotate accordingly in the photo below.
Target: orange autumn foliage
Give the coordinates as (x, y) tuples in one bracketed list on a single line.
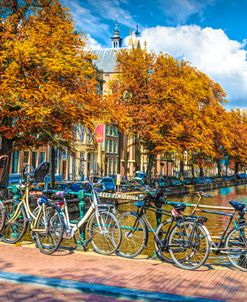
[(168, 104), (47, 79)]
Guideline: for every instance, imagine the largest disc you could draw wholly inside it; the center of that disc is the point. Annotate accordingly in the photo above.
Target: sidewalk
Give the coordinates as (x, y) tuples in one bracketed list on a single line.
[(139, 274)]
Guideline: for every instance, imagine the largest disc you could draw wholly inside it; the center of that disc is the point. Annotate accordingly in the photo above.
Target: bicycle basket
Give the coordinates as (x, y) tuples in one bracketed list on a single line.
[(3, 166), (41, 171)]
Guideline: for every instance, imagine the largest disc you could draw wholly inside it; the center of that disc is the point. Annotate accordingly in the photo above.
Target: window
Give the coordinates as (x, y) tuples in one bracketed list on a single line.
[(115, 131), (115, 146), (111, 132), (34, 159), (26, 157), (89, 136), (41, 157), (114, 166), (80, 133), (73, 167), (110, 151), (106, 144), (15, 161)]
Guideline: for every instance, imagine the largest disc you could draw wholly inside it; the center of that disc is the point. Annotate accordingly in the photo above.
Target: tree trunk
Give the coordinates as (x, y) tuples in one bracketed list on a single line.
[(6, 148), (219, 167), (201, 171), (227, 169), (181, 172), (192, 171), (149, 168), (52, 167), (236, 167)]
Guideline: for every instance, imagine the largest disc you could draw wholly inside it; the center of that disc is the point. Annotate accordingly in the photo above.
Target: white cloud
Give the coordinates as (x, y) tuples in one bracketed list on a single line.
[(92, 43), (180, 10), (210, 50)]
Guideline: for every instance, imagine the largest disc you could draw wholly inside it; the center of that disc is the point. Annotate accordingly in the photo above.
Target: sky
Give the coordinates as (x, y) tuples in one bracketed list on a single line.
[(210, 34)]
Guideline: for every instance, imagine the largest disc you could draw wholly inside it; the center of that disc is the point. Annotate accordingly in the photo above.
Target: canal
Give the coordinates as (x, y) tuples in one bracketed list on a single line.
[(215, 223)]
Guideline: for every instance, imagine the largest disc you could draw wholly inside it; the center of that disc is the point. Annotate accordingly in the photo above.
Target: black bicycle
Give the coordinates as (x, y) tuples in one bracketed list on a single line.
[(180, 239), (233, 242)]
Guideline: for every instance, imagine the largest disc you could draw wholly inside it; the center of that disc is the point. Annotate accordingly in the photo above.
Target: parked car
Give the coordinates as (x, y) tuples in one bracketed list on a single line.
[(228, 177), (139, 185), (241, 176), (189, 181), (125, 186), (208, 180), (139, 175), (106, 184), (161, 182), (173, 181), (14, 178)]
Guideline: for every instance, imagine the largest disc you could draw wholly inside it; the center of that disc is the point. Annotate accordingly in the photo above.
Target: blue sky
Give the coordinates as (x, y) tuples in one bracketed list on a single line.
[(211, 34)]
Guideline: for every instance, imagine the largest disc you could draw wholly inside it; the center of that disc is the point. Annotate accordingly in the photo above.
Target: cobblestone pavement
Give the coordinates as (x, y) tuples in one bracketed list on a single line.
[(209, 282)]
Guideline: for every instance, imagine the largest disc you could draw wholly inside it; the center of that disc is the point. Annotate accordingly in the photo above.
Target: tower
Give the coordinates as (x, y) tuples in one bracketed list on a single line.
[(116, 39), (137, 38)]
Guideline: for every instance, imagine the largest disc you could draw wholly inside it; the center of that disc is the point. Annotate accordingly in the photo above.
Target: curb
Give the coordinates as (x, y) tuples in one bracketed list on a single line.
[(98, 289)]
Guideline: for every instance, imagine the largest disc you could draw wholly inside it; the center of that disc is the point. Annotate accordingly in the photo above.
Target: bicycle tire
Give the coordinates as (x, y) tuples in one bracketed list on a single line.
[(181, 252), (14, 231), (54, 233), (2, 216), (108, 241), (134, 236), (163, 253), (237, 237)]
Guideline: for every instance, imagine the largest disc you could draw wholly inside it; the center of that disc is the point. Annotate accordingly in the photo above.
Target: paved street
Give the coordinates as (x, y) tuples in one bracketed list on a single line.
[(140, 274), (10, 291)]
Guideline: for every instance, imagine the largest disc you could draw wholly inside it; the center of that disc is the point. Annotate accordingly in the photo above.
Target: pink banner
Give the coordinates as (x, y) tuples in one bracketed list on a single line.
[(99, 133)]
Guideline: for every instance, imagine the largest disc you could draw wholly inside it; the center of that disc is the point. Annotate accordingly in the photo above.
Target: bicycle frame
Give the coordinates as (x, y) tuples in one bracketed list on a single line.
[(29, 214), (94, 207), (219, 246)]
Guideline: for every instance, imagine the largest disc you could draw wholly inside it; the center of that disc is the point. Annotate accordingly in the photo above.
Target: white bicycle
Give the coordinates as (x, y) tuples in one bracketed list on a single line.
[(102, 228)]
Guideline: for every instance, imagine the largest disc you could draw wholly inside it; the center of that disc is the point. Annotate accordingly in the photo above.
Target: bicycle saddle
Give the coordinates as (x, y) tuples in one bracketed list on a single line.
[(237, 205), (139, 204), (178, 205)]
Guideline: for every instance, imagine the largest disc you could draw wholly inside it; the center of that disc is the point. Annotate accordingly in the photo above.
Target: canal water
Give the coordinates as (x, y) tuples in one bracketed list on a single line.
[(215, 224)]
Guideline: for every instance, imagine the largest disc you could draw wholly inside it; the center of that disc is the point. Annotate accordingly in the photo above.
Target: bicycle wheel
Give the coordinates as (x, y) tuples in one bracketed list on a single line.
[(161, 241), (2, 216), (189, 245), (104, 232), (134, 235), (14, 229), (236, 245), (51, 228)]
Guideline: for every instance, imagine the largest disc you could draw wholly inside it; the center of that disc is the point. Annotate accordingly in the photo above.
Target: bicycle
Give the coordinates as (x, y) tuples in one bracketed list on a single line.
[(103, 229), (233, 242), (45, 222), (185, 236)]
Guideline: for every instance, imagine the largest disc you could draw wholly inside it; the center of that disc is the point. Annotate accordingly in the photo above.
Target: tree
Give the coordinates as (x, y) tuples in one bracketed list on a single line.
[(238, 150), (163, 101), (47, 79)]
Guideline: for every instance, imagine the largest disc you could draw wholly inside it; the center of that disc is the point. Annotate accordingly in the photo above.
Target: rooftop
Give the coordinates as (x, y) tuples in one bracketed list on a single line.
[(106, 58)]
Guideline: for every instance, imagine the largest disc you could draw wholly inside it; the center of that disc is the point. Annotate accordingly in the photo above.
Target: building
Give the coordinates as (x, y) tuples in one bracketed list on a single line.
[(121, 154), (117, 153)]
